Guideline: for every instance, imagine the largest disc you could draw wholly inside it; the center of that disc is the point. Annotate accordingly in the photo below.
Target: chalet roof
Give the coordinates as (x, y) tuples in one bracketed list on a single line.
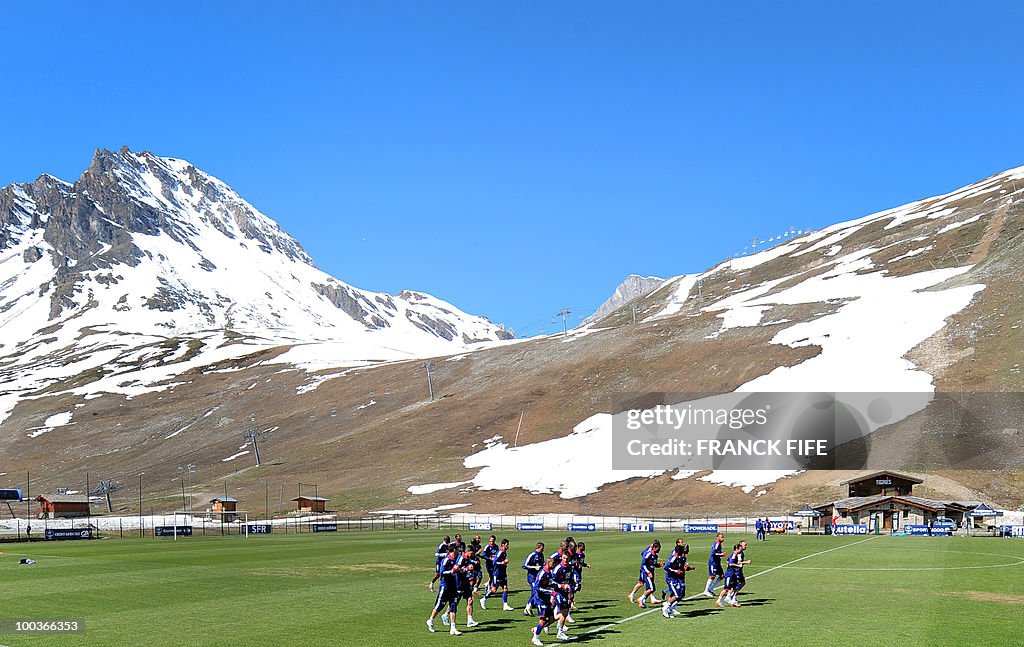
[(224, 499), (310, 498), (858, 502), (855, 503), (874, 475), (63, 498), (922, 502)]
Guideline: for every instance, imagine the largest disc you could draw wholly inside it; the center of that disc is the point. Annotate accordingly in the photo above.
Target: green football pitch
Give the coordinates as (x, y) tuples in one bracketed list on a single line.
[(356, 588)]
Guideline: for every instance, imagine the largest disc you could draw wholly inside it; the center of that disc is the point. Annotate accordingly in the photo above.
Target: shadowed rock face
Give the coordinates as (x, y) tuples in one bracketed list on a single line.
[(90, 224), (352, 303), (169, 238)]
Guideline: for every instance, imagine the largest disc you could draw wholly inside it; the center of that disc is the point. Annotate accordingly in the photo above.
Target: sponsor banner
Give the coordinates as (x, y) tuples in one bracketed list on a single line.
[(638, 527), (850, 529), (1013, 531), (776, 526), (921, 529), (701, 527), (324, 527), (481, 525), (259, 529), (582, 527), (53, 534), (529, 525), (168, 531)]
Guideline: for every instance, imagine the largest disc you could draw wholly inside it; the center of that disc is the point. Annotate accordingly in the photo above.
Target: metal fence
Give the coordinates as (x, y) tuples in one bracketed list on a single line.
[(203, 525), (562, 522), (160, 526), (152, 525)]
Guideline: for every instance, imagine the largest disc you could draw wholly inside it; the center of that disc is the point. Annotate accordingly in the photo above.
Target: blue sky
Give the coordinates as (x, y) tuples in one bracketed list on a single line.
[(517, 158)]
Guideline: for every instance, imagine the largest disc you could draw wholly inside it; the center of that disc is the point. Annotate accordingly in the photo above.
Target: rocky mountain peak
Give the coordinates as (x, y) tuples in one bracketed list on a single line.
[(633, 287), (153, 246)]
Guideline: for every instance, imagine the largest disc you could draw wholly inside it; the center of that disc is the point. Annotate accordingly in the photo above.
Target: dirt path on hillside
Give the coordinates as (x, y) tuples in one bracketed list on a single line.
[(995, 227)]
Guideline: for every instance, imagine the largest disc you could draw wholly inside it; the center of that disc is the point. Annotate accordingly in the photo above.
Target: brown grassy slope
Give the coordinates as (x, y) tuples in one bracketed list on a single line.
[(365, 458)]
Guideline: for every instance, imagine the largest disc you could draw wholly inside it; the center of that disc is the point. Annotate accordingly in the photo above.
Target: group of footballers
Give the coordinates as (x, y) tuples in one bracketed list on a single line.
[(555, 579), (731, 576)]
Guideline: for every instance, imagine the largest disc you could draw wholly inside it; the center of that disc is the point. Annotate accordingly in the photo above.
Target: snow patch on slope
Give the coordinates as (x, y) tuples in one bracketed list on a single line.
[(747, 480), (573, 466), (680, 286), (435, 487), (877, 320)]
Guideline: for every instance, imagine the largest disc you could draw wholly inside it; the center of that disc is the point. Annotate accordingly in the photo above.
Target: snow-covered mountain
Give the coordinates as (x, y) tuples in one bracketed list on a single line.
[(149, 262), (122, 361), (903, 301)]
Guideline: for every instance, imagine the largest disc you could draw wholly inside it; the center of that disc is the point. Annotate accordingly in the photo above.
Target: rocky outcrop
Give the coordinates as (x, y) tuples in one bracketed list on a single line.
[(351, 303), (633, 287)]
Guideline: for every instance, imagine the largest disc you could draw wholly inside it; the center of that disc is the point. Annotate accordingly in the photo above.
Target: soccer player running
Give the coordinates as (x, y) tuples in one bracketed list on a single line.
[(499, 577), (560, 601), (571, 559), (679, 542), (467, 564), (477, 545), (675, 579), (533, 564), (648, 562), (442, 550), (544, 586), (578, 564), (488, 553), (448, 594), (734, 579), (715, 572)]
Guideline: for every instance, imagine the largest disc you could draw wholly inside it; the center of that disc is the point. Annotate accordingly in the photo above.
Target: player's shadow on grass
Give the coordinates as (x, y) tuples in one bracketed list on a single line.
[(492, 625), (608, 633), (600, 604), (700, 613), (593, 621), (757, 602)]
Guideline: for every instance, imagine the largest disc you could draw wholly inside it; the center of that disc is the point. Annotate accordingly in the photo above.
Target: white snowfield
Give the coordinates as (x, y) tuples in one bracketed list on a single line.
[(234, 284), (435, 487), (874, 321)]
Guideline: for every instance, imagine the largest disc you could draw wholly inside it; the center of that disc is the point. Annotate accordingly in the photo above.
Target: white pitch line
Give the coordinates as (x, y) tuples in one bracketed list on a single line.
[(701, 594)]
